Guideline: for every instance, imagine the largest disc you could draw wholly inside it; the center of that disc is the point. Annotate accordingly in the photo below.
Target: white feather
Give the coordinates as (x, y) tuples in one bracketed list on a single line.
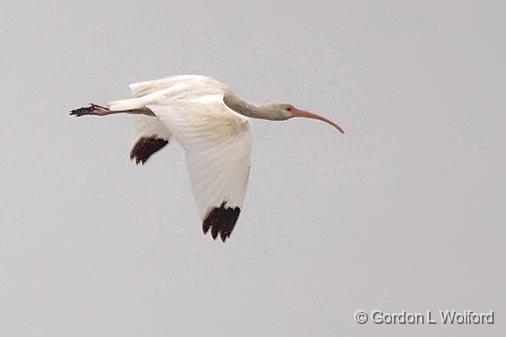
[(166, 90), (147, 87), (148, 126), (217, 142)]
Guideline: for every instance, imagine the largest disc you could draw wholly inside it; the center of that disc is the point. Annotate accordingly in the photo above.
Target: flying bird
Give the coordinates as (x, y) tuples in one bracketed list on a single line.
[(212, 125)]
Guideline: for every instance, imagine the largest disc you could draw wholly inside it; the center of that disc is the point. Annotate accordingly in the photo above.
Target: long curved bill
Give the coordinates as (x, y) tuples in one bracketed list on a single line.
[(310, 115)]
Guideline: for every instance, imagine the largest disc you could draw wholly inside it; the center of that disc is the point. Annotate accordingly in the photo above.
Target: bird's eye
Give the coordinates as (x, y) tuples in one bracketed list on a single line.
[(289, 108)]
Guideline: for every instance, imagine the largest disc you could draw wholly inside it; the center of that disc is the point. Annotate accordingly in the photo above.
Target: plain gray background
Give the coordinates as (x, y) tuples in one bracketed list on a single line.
[(404, 212)]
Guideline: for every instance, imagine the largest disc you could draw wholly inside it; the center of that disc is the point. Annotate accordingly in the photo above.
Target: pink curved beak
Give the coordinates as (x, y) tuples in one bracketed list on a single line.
[(305, 114)]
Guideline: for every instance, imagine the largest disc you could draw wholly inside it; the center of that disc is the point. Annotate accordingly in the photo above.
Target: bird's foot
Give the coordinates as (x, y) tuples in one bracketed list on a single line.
[(93, 109)]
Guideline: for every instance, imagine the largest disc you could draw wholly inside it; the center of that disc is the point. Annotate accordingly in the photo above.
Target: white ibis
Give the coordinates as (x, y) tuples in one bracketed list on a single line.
[(211, 124)]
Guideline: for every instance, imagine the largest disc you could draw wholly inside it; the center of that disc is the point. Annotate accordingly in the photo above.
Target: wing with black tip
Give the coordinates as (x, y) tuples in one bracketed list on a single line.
[(217, 142)]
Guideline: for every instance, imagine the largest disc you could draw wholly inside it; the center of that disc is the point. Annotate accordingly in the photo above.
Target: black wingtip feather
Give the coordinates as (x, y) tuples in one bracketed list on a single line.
[(221, 220), (145, 147)]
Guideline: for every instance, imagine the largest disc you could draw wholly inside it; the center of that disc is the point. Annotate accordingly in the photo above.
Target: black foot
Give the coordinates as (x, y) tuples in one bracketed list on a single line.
[(81, 111), (93, 109)]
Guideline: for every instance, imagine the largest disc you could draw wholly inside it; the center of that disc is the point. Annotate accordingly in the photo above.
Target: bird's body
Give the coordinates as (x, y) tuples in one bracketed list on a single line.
[(212, 126)]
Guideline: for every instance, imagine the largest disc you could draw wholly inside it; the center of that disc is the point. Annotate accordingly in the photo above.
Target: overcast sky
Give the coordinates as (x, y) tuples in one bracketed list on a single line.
[(404, 212)]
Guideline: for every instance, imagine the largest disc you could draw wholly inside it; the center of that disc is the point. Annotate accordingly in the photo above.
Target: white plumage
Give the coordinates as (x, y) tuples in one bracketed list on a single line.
[(216, 139), (217, 143), (212, 126)]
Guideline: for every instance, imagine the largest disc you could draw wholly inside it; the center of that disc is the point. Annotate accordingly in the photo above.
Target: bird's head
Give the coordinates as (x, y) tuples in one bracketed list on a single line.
[(284, 111)]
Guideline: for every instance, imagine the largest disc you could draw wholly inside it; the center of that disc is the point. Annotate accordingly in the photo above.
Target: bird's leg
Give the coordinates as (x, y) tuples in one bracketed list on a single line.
[(97, 110), (93, 109)]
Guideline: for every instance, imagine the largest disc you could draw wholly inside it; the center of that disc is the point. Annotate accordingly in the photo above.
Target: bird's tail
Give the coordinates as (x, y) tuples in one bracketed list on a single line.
[(126, 104)]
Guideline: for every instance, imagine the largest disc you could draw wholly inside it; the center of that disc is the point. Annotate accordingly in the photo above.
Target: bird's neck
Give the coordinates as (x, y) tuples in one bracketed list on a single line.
[(245, 108)]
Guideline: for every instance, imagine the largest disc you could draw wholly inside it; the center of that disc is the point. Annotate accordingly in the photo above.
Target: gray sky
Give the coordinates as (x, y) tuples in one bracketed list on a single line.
[(404, 212)]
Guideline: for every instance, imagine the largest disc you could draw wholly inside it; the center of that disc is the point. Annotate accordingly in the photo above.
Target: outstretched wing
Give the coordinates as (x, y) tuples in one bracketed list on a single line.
[(153, 134), (176, 84), (217, 142)]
